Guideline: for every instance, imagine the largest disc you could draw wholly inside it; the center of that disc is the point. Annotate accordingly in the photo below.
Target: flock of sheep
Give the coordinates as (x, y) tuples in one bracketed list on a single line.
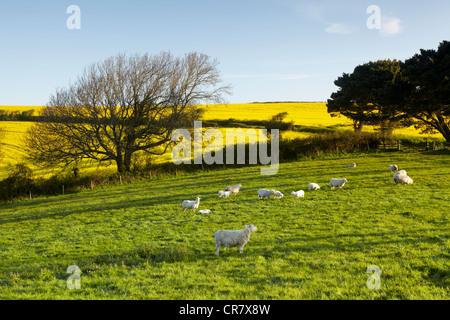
[(233, 238)]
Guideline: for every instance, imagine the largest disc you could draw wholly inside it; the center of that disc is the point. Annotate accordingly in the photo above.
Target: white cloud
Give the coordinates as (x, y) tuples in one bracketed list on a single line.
[(390, 25), (338, 28)]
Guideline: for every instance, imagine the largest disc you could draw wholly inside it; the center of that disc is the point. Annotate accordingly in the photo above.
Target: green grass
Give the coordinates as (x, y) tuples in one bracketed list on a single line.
[(132, 241)]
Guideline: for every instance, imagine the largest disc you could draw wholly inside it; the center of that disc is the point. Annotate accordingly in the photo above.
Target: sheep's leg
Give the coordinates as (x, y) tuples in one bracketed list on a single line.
[(241, 249), (184, 209), (217, 250)]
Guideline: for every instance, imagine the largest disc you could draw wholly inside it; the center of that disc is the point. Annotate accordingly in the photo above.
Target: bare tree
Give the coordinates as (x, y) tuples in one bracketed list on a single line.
[(122, 106)]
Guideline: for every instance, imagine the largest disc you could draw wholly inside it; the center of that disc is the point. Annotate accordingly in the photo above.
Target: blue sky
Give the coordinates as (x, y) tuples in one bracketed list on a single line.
[(268, 50)]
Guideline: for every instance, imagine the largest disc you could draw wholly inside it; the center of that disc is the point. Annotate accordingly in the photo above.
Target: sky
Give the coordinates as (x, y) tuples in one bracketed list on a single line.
[(268, 50)]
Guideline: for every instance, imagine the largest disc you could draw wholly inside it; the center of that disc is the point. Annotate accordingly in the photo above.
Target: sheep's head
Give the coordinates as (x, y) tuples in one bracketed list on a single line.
[(345, 180), (251, 227)]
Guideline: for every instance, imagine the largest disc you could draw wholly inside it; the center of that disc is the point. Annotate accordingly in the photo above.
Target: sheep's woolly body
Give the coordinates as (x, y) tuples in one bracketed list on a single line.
[(189, 204), (264, 193), (402, 177), (278, 195), (233, 238), (234, 189), (313, 186), (224, 194), (298, 194), (353, 165), (337, 183)]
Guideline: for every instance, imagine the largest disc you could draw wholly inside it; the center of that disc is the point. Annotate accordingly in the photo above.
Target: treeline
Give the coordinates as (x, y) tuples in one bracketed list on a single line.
[(27, 115)]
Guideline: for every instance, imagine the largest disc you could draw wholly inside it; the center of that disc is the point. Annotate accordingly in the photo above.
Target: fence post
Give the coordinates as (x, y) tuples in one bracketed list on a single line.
[(399, 144), (30, 194), (62, 189)]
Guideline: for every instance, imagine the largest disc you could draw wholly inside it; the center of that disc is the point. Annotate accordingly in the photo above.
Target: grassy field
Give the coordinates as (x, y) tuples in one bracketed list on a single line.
[(132, 241)]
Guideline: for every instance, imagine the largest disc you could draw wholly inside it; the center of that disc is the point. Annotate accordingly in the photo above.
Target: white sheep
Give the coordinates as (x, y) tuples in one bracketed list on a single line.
[(205, 211), (353, 165), (313, 186), (189, 204), (224, 194), (233, 238), (298, 194), (264, 193), (234, 189), (393, 167), (402, 177), (337, 183), (278, 195)]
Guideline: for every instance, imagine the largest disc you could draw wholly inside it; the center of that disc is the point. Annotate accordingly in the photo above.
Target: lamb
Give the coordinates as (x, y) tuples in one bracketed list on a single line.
[(298, 194), (264, 193), (205, 211), (402, 177), (337, 183), (224, 194), (189, 204), (233, 238), (353, 165), (278, 195), (393, 167), (313, 186), (234, 189)]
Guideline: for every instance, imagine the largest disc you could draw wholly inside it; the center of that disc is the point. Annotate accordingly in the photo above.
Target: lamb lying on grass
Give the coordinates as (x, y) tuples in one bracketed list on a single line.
[(189, 204), (337, 183), (264, 193), (205, 211), (313, 186), (233, 238), (353, 165), (298, 194), (234, 189), (224, 194), (402, 178)]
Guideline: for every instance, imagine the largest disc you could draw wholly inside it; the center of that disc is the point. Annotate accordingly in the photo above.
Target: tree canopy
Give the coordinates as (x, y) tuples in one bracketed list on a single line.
[(122, 106)]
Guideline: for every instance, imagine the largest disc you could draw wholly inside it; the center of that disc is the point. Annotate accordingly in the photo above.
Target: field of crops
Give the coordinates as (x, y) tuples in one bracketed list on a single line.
[(313, 115), (132, 241)]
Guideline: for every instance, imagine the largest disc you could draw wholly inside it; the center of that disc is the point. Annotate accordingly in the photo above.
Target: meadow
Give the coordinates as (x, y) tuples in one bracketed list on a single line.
[(132, 241)]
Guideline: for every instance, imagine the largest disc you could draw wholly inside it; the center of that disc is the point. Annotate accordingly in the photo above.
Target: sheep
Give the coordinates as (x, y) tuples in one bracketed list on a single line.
[(234, 189), (189, 204), (224, 194), (313, 186), (353, 165), (402, 177), (233, 238), (278, 195), (393, 167), (205, 211), (298, 194), (337, 183), (264, 193)]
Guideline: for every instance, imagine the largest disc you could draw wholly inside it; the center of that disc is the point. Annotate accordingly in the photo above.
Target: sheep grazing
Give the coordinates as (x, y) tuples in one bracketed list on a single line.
[(189, 204), (353, 165), (264, 193), (234, 189), (313, 186), (224, 194), (393, 168), (298, 194), (233, 238), (337, 183), (402, 178), (278, 195)]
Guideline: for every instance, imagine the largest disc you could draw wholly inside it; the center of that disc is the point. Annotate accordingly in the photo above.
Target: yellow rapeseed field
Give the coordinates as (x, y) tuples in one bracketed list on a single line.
[(310, 114)]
